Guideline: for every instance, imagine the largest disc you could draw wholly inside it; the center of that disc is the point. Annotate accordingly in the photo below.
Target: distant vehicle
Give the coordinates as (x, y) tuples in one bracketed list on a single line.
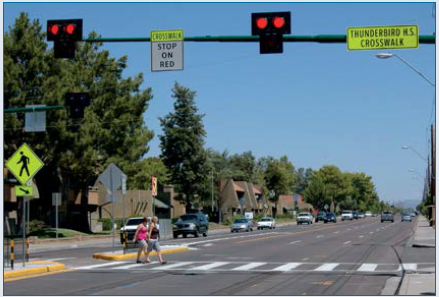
[(361, 215), (413, 214), (267, 222), (368, 214), (355, 215), (242, 224), (130, 228), (320, 216), (387, 216), (304, 217), (374, 214), (195, 224), (330, 217), (406, 217), (347, 215)]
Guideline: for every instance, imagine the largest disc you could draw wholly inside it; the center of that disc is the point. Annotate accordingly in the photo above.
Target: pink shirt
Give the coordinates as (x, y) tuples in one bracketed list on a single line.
[(142, 233)]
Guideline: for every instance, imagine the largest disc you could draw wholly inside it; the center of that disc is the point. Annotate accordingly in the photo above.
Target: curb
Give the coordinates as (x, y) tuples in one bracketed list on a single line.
[(53, 266), (420, 245), (111, 257)]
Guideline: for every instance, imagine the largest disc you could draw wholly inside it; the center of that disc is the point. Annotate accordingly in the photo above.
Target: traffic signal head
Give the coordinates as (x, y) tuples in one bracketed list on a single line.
[(270, 26), (64, 33), (77, 102)]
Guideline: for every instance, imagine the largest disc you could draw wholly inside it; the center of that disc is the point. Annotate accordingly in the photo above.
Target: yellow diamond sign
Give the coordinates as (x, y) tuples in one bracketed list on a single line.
[(24, 164)]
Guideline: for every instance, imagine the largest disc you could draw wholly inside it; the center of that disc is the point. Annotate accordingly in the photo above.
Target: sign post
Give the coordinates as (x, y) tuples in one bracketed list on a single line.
[(382, 37), (56, 201), (154, 193), (23, 243), (124, 191), (166, 50)]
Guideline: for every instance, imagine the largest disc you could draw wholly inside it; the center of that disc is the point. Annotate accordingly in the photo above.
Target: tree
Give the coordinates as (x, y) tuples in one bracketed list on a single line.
[(143, 171), (317, 193), (336, 183), (303, 177), (182, 145), (75, 152)]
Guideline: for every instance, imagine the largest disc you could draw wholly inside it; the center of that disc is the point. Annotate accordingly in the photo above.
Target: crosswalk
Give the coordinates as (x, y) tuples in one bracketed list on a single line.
[(291, 267)]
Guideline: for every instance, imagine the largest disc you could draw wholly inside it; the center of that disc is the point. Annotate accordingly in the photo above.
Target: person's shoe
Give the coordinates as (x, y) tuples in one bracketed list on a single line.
[(164, 262), (138, 261)]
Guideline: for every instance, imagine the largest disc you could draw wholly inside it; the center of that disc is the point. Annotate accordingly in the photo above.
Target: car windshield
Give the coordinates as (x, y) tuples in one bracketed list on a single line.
[(240, 221), (405, 214), (134, 222), (266, 220), (346, 212), (321, 214), (188, 218), (387, 213), (303, 214), (330, 214)]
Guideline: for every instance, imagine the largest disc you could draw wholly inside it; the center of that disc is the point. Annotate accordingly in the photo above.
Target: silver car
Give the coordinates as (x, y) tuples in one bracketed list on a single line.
[(242, 225), (304, 217), (406, 217)]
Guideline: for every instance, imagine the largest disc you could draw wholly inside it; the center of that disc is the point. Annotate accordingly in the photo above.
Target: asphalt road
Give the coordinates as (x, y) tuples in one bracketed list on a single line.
[(347, 258)]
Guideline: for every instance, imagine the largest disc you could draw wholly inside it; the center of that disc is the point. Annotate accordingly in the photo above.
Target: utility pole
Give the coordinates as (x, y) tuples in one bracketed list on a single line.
[(433, 178)]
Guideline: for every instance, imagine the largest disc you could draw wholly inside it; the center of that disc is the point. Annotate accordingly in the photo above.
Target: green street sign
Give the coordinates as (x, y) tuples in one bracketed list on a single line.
[(24, 164), (24, 191)]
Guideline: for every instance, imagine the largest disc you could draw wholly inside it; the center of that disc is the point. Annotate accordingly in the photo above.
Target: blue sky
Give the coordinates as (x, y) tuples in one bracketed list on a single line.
[(316, 103)]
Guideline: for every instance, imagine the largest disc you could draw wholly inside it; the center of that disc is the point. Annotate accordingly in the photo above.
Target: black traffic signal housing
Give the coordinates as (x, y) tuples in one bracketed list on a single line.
[(271, 26), (77, 102), (64, 34)]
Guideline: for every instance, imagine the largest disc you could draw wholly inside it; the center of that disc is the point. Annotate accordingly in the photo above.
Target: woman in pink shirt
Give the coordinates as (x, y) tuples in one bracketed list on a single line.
[(142, 237)]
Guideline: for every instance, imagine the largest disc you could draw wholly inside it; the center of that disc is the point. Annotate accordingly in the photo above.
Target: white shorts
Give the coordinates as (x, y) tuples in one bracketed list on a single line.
[(142, 243), (153, 244)]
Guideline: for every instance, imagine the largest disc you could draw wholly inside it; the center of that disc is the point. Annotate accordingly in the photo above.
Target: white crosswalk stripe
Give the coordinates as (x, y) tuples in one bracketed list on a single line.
[(249, 266), (367, 267), (102, 265), (410, 266), (326, 267), (210, 266), (287, 267), (172, 266), (129, 266)]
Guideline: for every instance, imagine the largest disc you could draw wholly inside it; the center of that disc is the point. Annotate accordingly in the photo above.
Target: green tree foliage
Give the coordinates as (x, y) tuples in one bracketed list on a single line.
[(337, 184), (75, 151), (317, 193), (144, 170), (182, 145), (303, 177)]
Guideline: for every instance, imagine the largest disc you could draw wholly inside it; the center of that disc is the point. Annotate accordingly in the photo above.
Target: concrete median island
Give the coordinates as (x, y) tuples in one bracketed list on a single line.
[(119, 255)]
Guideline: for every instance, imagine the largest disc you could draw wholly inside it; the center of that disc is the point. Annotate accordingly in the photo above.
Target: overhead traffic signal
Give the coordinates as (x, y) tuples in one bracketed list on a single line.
[(271, 26), (77, 102), (64, 34)]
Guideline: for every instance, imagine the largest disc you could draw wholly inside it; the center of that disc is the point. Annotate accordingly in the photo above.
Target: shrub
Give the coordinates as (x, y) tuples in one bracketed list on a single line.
[(107, 223), (36, 226)]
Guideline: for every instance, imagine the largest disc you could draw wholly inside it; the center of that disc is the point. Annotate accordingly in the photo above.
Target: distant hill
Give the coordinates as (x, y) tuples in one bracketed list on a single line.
[(409, 203)]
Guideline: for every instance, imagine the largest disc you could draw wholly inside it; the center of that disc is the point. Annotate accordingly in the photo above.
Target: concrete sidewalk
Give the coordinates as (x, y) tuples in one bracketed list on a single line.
[(31, 269), (119, 255), (425, 235)]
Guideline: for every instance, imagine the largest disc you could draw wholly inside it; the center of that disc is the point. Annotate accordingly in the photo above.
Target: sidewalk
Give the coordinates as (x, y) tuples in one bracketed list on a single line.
[(424, 234), (31, 269), (119, 255)]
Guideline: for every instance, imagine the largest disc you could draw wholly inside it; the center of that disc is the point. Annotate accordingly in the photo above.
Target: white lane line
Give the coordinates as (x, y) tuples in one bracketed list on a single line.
[(377, 230), (129, 266), (305, 259), (326, 267), (370, 232), (367, 267), (227, 238), (347, 242), (58, 259), (348, 229), (318, 236), (361, 236), (210, 266), (293, 242), (410, 266), (249, 266), (172, 266), (336, 232), (287, 267), (102, 265)]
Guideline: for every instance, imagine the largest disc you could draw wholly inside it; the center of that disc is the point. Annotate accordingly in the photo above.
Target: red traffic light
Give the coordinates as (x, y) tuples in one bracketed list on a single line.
[(70, 29), (278, 22), (262, 23), (54, 29)]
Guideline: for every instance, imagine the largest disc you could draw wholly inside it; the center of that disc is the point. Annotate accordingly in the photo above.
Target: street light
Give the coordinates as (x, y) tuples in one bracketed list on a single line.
[(406, 147), (388, 55)]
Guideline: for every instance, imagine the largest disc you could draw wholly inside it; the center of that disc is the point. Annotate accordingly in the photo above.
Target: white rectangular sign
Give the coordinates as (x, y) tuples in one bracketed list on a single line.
[(166, 50)]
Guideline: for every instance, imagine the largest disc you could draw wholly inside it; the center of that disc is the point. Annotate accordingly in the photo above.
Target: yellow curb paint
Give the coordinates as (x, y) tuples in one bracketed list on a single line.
[(111, 257), (37, 275), (52, 266)]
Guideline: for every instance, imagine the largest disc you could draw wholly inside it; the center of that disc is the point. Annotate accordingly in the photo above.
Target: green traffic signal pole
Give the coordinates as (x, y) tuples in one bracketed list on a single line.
[(425, 39)]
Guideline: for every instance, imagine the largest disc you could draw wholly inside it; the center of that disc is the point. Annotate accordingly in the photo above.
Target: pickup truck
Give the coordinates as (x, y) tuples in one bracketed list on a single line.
[(347, 215)]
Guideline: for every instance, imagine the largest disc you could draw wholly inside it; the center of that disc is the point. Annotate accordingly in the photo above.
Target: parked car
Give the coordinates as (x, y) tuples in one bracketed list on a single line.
[(320, 216), (242, 224), (195, 224), (330, 217), (267, 222), (368, 214), (361, 215), (304, 217), (413, 214), (130, 228), (387, 216), (406, 217), (355, 215), (347, 215), (374, 214)]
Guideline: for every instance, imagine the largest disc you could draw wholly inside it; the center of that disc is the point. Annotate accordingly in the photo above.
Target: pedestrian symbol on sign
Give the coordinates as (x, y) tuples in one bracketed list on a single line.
[(25, 160)]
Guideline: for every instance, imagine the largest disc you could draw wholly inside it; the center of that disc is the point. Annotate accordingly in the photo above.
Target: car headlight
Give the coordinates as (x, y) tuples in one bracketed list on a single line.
[(191, 225), (174, 226)]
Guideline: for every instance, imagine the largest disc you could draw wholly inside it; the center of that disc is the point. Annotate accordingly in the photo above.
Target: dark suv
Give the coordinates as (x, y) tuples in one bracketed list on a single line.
[(195, 224), (387, 216), (320, 216)]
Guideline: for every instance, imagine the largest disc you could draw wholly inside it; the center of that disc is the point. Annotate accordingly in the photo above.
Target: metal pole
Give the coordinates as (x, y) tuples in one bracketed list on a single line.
[(24, 232), (112, 205), (28, 216), (414, 69), (56, 215), (212, 190)]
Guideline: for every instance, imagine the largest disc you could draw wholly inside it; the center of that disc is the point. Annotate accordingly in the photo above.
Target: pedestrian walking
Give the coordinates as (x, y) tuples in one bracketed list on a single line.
[(141, 236), (153, 243)]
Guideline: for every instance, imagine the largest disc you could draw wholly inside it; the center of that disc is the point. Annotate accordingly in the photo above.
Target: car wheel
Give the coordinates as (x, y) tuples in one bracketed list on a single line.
[(251, 229), (175, 235), (205, 234), (382, 221), (247, 230), (196, 233), (184, 235)]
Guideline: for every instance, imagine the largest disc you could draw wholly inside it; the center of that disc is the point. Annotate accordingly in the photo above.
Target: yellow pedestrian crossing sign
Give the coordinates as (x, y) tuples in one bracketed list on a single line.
[(24, 164), (24, 191)]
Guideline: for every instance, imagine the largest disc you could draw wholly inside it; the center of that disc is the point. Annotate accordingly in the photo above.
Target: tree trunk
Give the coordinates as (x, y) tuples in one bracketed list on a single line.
[(83, 224), (188, 203)]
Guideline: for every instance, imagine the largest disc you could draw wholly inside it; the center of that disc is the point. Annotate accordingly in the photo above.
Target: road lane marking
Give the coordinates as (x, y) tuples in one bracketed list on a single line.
[(370, 232), (295, 241), (210, 266), (326, 267), (336, 232), (129, 266), (287, 267), (101, 265), (172, 266), (318, 236), (347, 242), (349, 229), (409, 266), (249, 266), (367, 267), (361, 236)]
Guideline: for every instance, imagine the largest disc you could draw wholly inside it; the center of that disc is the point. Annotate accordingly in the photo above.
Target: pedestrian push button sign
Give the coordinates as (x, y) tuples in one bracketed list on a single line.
[(383, 37), (24, 164), (166, 50)]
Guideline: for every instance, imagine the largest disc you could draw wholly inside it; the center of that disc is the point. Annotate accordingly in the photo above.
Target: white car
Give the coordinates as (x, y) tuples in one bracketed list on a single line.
[(368, 214), (347, 215), (131, 227), (269, 223), (304, 217)]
